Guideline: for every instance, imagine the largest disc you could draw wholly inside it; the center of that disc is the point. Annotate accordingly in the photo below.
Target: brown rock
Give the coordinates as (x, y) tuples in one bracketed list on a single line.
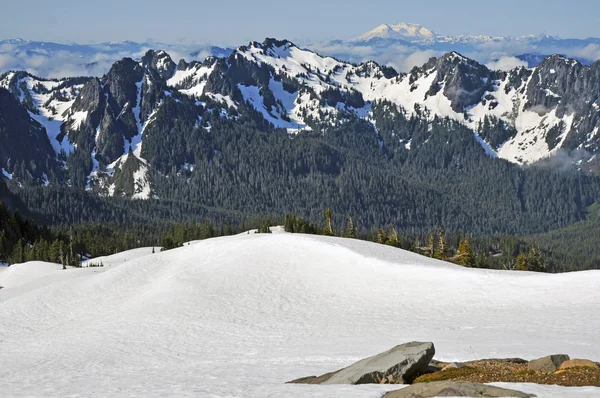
[(579, 363), (450, 388)]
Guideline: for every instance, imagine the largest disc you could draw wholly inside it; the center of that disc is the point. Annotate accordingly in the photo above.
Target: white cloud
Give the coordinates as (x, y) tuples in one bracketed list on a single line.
[(506, 63), (591, 52), (61, 63), (406, 62)]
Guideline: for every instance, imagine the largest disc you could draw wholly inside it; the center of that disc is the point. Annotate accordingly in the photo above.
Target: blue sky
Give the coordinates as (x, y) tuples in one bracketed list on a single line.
[(234, 22)]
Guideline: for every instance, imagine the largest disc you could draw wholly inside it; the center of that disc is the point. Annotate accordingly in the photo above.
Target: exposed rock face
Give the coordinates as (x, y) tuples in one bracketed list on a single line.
[(159, 64), (454, 389), (548, 364), (24, 146), (579, 363)]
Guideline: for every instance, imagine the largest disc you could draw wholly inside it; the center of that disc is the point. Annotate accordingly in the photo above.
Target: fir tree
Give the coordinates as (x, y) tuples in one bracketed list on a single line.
[(465, 255), (441, 252), (290, 220), (328, 223), (430, 248), (521, 262), (393, 239), (535, 262), (350, 229), (382, 236), (482, 261)]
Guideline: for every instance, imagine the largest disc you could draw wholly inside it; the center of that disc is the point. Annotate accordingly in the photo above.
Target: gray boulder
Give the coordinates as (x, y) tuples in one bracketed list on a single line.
[(450, 388), (549, 364), (399, 365)]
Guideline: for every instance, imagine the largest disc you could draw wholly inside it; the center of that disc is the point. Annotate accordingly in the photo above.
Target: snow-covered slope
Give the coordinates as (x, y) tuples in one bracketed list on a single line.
[(239, 316), (120, 258)]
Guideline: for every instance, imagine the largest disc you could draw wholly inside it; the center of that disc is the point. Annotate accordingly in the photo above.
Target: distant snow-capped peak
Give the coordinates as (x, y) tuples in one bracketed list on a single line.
[(416, 33), (399, 31)]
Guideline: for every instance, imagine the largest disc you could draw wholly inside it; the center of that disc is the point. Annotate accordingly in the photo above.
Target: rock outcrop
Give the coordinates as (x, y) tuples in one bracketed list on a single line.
[(400, 365), (549, 364), (579, 363), (454, 389)]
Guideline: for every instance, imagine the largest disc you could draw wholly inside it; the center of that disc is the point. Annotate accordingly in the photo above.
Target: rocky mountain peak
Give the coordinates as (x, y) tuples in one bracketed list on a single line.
[(159, 64)]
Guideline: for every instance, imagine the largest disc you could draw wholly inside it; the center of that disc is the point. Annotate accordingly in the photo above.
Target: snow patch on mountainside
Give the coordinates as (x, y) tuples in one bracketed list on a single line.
[(52, 105), (530, 145), (7, 174), (142, 188), (191, 81)]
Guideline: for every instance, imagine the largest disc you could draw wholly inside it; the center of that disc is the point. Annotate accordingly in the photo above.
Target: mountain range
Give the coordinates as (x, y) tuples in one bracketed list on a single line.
[(273, 113), (405, 45), (400, 45), (56, 60)]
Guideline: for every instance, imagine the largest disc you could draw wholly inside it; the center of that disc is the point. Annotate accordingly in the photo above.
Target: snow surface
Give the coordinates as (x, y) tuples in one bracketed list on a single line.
[(238, 316), (7, 174), (122, 257)]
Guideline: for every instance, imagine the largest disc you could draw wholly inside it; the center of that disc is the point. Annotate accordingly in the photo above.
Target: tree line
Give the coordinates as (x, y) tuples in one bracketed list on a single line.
[(507, 252)]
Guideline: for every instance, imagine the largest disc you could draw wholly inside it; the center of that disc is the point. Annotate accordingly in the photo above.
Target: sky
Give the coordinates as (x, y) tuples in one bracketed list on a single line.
[(231, 22)]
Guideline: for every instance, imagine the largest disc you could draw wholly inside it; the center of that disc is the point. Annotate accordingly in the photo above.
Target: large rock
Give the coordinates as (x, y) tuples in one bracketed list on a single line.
[(450, 388), (549, 364), (399, 365), (579, 363)]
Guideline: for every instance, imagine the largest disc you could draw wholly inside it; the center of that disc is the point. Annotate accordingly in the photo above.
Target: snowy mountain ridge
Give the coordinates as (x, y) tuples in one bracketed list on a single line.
[(419, 34), (523, 115)]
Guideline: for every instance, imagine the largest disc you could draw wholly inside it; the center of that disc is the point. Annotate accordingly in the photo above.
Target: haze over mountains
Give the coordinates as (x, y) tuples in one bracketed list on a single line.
[(401, 45)]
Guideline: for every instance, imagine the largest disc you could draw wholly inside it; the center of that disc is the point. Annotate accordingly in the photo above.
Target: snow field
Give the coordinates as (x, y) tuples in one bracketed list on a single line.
[(239, 316)]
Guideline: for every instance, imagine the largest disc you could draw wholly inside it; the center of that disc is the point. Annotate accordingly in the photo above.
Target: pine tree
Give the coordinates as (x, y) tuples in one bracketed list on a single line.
[(465, 255), (430, 248), (481, 261), (328, 224), (350, 229), (393, 239), (73, 261), (289, 223), (535, 262), (381, 236), (441, 251), (521, 262), (2, 244)]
